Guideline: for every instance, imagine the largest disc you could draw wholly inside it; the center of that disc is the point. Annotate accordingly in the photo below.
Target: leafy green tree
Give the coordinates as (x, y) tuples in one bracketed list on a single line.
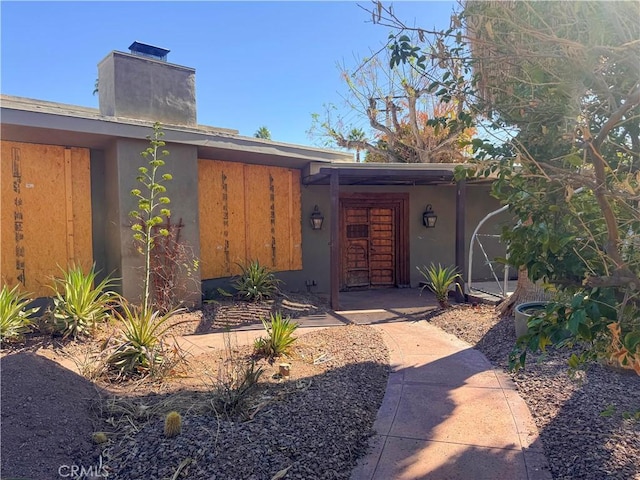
[(263, 132), (565, 75), (558, 85)]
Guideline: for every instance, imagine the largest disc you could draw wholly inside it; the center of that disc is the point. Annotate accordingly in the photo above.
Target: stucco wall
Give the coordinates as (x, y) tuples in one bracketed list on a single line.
[(437, 245), (315, 244), (122, 160), (108, 202), (426, 245), (476, 210)]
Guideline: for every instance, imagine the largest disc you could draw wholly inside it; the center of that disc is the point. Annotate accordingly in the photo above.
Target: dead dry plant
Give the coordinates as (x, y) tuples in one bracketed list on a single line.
[(235, 380), (89, 363)]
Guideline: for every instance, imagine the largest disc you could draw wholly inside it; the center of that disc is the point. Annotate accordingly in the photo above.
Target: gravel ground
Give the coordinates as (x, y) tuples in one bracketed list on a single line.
[(581, 420), (315, 426)]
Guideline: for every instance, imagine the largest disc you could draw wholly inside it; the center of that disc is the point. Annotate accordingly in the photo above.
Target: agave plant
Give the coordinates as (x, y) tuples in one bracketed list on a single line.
[(439, 280), (139, 347), (79, 304), (280, 336), (256, 282), (14, 314)]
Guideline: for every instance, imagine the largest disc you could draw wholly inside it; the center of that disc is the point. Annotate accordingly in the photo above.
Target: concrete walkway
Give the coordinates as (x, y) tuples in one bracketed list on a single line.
[(446, 414)]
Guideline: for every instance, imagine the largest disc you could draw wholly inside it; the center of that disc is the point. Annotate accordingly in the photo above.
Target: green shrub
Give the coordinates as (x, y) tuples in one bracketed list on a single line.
[(78, 305), (439, 280), (139, 348), (280, 336), (14, 316), (256, 282)]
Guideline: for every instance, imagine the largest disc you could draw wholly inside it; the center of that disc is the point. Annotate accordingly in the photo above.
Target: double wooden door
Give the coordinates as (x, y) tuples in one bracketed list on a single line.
[(374, 242), (369, 246)]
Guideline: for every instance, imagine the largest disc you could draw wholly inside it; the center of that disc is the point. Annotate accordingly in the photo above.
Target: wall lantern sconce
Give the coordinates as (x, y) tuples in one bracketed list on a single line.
[(429, 218), (316, 219)]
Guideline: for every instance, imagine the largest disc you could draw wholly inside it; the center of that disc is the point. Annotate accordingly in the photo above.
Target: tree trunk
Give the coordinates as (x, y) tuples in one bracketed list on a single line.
[(526, 291)]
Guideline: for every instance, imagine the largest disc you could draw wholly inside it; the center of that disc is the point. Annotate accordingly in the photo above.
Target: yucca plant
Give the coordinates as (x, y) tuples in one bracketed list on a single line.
[(256, 282), (14, 314), (139, 347), (280, 336), (439, 280), (80, 304)]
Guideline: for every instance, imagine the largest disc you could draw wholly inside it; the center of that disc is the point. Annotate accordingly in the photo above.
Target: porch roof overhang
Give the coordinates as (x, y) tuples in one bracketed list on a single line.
[(337, 174), (37, 121), (406, 174)]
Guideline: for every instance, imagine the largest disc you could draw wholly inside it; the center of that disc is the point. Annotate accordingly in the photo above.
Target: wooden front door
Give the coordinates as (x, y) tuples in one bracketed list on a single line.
[(369, 246)]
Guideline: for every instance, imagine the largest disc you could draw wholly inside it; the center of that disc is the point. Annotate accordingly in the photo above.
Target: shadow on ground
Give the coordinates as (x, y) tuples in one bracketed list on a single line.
[(430, 427), (46, 421)]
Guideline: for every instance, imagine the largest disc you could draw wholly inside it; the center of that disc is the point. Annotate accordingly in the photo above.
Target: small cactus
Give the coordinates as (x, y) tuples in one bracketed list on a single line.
[(99, 437), (172, 424)]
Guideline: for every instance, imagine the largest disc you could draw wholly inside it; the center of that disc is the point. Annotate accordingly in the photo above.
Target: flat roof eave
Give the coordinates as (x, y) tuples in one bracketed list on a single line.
[(406, 174)]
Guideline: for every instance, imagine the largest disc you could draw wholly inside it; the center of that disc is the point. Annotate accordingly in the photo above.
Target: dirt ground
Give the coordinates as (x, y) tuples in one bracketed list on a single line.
[(49, 410), (46, 417)]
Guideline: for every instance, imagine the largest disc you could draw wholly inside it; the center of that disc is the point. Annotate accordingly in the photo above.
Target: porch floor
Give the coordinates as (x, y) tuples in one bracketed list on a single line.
[(490, 292), (398, 304)]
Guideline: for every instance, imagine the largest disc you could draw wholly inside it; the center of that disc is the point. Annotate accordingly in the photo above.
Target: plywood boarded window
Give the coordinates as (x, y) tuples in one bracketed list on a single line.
[(45, 198), (248, 212)]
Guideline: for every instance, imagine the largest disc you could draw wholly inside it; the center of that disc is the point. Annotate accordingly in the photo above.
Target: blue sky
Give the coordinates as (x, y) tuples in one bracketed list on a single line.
[(257, 63)]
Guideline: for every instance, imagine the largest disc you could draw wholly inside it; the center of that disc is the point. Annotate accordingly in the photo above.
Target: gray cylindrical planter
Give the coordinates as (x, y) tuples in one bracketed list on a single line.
[(523, 312)]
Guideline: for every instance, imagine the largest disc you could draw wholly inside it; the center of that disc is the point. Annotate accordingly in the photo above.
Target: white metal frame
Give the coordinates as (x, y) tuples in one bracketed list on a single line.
[(474, 238), (505, 281)]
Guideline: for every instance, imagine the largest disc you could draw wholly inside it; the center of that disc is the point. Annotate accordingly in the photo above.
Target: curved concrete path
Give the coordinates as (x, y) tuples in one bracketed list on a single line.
[(448, 414)]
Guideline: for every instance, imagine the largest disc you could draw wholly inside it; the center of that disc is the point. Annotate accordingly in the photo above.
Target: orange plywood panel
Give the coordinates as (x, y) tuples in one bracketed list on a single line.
[(260, 215), (296, 220), (280, 182), (81, 208), (286, 228), (8, 211), (210, 218), (221, 204), (248, 212), (46, 213), (273, 228)]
